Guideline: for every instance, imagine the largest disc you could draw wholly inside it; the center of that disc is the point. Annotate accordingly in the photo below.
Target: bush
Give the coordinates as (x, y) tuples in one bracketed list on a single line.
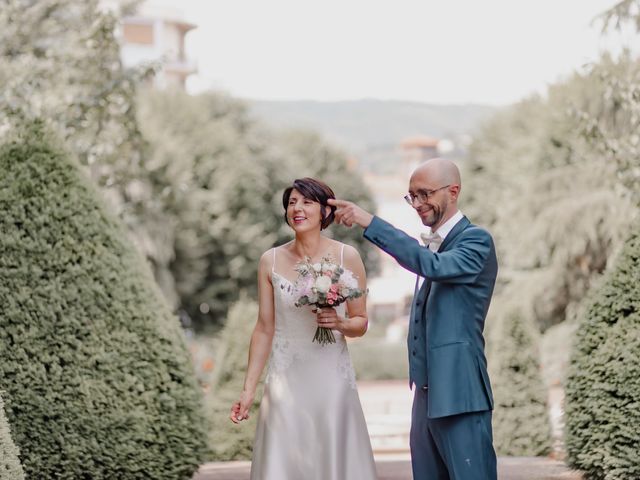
[(603, 387), (520, 420), (98, 380), (230, 441), (377, 359), (10, 467)]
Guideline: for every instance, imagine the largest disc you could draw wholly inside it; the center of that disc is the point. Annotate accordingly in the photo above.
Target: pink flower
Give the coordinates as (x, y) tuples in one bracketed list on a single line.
[(332, 295)]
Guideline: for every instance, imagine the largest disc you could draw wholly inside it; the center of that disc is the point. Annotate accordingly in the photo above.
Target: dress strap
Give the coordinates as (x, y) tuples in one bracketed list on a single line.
[(273, 266), (342, 255)]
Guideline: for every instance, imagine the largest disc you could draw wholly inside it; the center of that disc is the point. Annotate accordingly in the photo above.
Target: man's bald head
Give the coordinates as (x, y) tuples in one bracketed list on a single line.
[(439, 171), (434, 188)]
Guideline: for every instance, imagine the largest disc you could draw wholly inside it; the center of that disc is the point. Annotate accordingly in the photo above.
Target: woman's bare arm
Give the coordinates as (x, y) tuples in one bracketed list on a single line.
[(261, 338)]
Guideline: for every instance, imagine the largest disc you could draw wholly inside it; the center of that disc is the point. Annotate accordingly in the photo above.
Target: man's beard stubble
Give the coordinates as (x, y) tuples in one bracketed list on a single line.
[(437, 213)]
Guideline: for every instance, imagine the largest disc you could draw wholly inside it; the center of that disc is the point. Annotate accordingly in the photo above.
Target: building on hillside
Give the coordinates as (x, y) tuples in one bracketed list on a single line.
[(417, 149), (156, 31)]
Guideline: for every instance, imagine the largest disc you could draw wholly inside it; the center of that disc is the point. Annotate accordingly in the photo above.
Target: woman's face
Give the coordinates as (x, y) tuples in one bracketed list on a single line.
[(303, 214)]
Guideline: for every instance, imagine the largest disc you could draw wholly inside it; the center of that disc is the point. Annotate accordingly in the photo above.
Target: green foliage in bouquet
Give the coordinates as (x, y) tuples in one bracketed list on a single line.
[(230, 441), (98, 381), (520, 419), (10, 467), (603, 388)]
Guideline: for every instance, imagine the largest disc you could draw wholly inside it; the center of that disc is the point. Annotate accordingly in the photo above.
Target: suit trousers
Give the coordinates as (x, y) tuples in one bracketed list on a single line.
[(457, 447)]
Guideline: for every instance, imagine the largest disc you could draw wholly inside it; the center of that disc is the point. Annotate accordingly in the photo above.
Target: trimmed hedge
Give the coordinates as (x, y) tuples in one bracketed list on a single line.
[(377, 359), (98, 381), (10, 467), (603, 387), (520, 420), (230, 441)]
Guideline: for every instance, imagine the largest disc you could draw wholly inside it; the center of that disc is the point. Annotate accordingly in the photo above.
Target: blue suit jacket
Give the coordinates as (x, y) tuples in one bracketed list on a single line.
[(446, 345)]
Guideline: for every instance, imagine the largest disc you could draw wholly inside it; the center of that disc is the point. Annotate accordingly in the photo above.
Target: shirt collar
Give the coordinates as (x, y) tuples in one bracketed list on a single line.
[(447, 226)]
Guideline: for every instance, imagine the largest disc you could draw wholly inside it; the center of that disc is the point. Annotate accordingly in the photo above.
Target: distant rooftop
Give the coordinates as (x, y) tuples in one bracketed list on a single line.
[(419, 141)]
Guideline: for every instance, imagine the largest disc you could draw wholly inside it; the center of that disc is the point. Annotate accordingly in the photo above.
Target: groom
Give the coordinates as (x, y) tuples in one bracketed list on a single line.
[(451, 436)]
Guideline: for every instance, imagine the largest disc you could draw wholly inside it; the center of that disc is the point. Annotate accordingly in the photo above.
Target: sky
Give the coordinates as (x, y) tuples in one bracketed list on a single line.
[(491, 52)]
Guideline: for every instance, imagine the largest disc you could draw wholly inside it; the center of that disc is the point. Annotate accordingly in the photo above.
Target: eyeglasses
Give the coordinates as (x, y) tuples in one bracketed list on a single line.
[(422, 195)]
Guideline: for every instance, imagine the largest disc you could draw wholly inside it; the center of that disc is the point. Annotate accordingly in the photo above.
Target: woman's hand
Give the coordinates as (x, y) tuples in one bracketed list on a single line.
[(328, 318), (240, 409)]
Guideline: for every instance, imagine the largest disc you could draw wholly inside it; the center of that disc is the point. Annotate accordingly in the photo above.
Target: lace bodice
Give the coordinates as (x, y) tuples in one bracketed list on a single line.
[(294, 331)]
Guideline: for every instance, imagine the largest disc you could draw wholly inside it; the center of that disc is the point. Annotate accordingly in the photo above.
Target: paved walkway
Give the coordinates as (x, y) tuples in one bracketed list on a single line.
[(394, 469), (387, 410)]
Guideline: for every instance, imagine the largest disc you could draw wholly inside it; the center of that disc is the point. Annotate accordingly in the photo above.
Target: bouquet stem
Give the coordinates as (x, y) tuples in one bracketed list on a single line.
[(324, 336)]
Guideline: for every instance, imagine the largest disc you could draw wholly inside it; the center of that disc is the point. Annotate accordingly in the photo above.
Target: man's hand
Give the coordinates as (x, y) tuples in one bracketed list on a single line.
[(348, 213)]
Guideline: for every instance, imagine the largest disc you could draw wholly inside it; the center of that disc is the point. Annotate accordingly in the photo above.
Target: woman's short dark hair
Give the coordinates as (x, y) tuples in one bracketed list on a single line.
[(313, 190)]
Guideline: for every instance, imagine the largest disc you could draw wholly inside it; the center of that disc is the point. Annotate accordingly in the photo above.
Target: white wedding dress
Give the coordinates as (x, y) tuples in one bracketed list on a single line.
[(310, 424)]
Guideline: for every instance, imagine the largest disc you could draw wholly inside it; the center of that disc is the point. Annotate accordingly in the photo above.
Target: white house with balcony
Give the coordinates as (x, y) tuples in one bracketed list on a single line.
[(156, 32)]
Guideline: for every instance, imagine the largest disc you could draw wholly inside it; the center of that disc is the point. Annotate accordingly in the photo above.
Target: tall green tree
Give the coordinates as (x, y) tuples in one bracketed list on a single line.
[(520, 420), (195, 180), (602, 434), (60, 62), (224, 173), (97, 379), (603, 388), (532, 176), (554, 179), (623, 12)]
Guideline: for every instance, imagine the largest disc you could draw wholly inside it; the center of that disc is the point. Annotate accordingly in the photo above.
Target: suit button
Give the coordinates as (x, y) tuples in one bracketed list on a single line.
[(416, 320), (415, 337), (414, 353), (418, 304)]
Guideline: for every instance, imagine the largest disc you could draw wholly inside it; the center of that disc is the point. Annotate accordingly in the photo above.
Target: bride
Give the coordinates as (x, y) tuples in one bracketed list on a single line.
[(310, 423)]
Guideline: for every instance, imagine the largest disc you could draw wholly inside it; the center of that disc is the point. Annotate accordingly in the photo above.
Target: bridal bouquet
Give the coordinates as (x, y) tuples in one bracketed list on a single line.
[(323, 285)]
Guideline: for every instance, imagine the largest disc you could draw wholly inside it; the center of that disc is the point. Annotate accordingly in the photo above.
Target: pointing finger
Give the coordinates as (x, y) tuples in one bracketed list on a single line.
[(337, 203)]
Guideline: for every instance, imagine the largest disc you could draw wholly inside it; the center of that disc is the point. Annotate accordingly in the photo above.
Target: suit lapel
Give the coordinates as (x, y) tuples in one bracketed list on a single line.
[(457, 229)]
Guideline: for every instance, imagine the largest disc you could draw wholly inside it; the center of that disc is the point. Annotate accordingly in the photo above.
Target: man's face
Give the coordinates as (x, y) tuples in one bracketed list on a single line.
[(433, 209)]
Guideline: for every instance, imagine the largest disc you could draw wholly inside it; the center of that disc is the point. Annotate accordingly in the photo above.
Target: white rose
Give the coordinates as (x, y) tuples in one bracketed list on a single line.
[(317, 267), (330, 267), (348, 280), (323, 284)]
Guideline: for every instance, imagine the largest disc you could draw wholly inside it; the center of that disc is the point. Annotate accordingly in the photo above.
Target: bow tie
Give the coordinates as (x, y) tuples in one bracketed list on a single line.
[(429, 238)]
